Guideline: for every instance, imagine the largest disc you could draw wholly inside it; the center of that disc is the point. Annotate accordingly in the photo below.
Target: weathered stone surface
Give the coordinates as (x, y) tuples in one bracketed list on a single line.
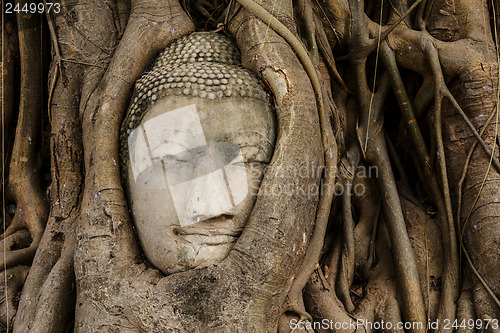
[(201, 64), (195, 143)]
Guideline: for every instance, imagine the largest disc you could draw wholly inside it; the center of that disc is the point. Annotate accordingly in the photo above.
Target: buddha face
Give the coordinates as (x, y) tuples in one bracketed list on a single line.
[(193, 175)]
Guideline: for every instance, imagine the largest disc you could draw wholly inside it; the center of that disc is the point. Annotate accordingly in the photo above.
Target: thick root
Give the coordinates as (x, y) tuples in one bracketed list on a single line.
[(480, 209), (11, 284), (24, 176)]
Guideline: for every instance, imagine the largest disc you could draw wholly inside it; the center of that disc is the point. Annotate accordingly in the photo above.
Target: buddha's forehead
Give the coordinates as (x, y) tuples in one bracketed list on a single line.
[(183, 125)]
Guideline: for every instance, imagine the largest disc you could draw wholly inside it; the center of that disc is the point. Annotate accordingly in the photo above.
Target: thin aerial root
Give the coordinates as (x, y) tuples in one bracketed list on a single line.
[(487, 149), (402, 8), (420, 17), (55, 42), (464, 174), (406, 269), (305, 13), (424, 97), (449, 294), (322, 278), (331, 268), (397, 161), (488, 289), (393, 26), (51, 91), (371, 249), (347, 260), (326, 53)]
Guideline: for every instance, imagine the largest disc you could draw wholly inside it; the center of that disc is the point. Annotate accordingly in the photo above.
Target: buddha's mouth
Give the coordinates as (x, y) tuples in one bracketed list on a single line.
[(208, 236)]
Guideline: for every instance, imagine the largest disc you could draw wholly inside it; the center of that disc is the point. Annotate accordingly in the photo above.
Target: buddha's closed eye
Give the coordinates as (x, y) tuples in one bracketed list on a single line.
[(196, 162)]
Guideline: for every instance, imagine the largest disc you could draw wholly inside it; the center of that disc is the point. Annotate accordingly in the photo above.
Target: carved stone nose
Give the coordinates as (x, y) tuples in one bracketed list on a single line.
[(208, 197)]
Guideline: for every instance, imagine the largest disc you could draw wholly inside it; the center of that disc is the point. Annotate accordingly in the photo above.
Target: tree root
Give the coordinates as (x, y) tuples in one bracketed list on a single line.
[(459, 207), (24, 173), (332, 261), (480, 278), (10, 287), (464, 174), (15, 225), (7, 87), (484, 307), (47, 303), (327, 55), (118, 292), (311, 258), (450, 291), (367, 203), (346, 267), (305, 14), (480, 184), (426, 238), (371, 249), (106, 243), (444, 208), (56, 300), (322, 303), (376, 153), (465, 310), (18, 240), (380, 292)]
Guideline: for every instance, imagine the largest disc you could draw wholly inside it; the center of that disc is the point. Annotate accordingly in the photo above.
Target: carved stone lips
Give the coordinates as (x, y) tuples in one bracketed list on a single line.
[(208, 236)]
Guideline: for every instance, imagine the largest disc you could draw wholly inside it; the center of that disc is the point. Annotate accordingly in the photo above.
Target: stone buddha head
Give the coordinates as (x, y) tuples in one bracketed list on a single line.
[(195, 142)]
